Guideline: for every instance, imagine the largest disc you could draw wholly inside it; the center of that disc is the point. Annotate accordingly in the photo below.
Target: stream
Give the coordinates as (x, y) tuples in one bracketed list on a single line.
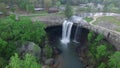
[(69, 57)]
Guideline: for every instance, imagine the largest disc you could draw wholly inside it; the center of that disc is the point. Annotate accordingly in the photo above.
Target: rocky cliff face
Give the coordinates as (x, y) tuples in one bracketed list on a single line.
[(110, 35)]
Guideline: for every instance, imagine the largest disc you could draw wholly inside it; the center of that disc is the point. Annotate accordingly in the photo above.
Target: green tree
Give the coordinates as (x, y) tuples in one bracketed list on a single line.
[(68, 11), (12, 31), (3, 62), (102, 65), (47, 4), (54, 2), (97, 50), (26, 5), (28, 61), (91, 36), (15, 62), (29, 8), (101, 51), (3, 8), (58, 3), (99, 38), (3, 45), (48, 51), (114, 61)]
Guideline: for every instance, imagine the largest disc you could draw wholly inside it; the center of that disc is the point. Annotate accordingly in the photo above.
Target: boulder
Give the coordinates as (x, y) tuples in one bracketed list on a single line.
[(49, 61), (45, 66), (31, 48)]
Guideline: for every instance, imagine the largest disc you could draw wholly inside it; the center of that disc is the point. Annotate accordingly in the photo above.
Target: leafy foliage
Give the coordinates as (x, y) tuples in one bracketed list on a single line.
[(101, 51), (90, 36), (58, 3), (3, 62), (102, 65), (114, 61), (47, 4), (3, 45), (3, 8), (48, 51), (99, 38), (29, 8), (12, 31), (15, 62), (26, 5), (98, 50), (68, 11), (88, 19), (29, 61)]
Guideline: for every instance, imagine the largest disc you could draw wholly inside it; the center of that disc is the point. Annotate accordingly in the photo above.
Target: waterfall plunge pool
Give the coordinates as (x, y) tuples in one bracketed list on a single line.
[(69, 57)]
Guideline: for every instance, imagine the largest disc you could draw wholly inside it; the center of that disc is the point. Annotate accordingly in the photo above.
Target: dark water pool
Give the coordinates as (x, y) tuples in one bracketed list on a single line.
[(69, 56)]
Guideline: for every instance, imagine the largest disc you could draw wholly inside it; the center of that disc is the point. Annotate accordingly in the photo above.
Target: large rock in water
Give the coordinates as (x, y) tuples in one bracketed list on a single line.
[(31, 48)]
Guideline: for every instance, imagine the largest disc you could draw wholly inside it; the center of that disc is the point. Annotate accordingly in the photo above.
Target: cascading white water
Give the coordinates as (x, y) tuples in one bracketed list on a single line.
[(66, 31), (75, 36), (77, 33)]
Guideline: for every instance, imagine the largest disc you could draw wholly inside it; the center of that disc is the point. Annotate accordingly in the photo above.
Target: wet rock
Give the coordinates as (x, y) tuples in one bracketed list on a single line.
[(49, 61), (45, 66)]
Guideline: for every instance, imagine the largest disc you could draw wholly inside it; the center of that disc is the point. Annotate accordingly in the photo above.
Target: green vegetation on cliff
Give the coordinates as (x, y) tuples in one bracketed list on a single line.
[(99, 51), (28, 61), (88, 19), (114, 61), (14, 32)]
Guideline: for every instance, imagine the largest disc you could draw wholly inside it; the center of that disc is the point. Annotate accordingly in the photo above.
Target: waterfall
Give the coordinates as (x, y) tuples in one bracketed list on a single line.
[(77, 32), (66, 31)]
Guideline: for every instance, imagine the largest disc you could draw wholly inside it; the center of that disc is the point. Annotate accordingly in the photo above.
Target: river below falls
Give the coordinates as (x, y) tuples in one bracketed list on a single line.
[(68, 57)]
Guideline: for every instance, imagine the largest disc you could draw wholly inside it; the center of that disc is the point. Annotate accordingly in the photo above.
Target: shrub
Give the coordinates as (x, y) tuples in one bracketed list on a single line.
[(114, 61), (91, 36), (68, 11), (101, 51), (28, 61), (48, 51), (102, 65)]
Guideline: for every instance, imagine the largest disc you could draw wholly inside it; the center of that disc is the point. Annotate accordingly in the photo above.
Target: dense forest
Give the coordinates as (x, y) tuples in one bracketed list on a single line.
[(14, 34)]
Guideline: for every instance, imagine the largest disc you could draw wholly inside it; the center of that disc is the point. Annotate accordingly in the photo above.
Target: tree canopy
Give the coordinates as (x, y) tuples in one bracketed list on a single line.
[(28, 61), (12, 32), (68, 11), (114, 61)]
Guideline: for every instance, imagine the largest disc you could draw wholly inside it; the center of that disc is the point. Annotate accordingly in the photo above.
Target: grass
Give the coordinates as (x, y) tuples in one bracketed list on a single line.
[(117, 30), (88, 19), (110, 19), (42, 13)]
